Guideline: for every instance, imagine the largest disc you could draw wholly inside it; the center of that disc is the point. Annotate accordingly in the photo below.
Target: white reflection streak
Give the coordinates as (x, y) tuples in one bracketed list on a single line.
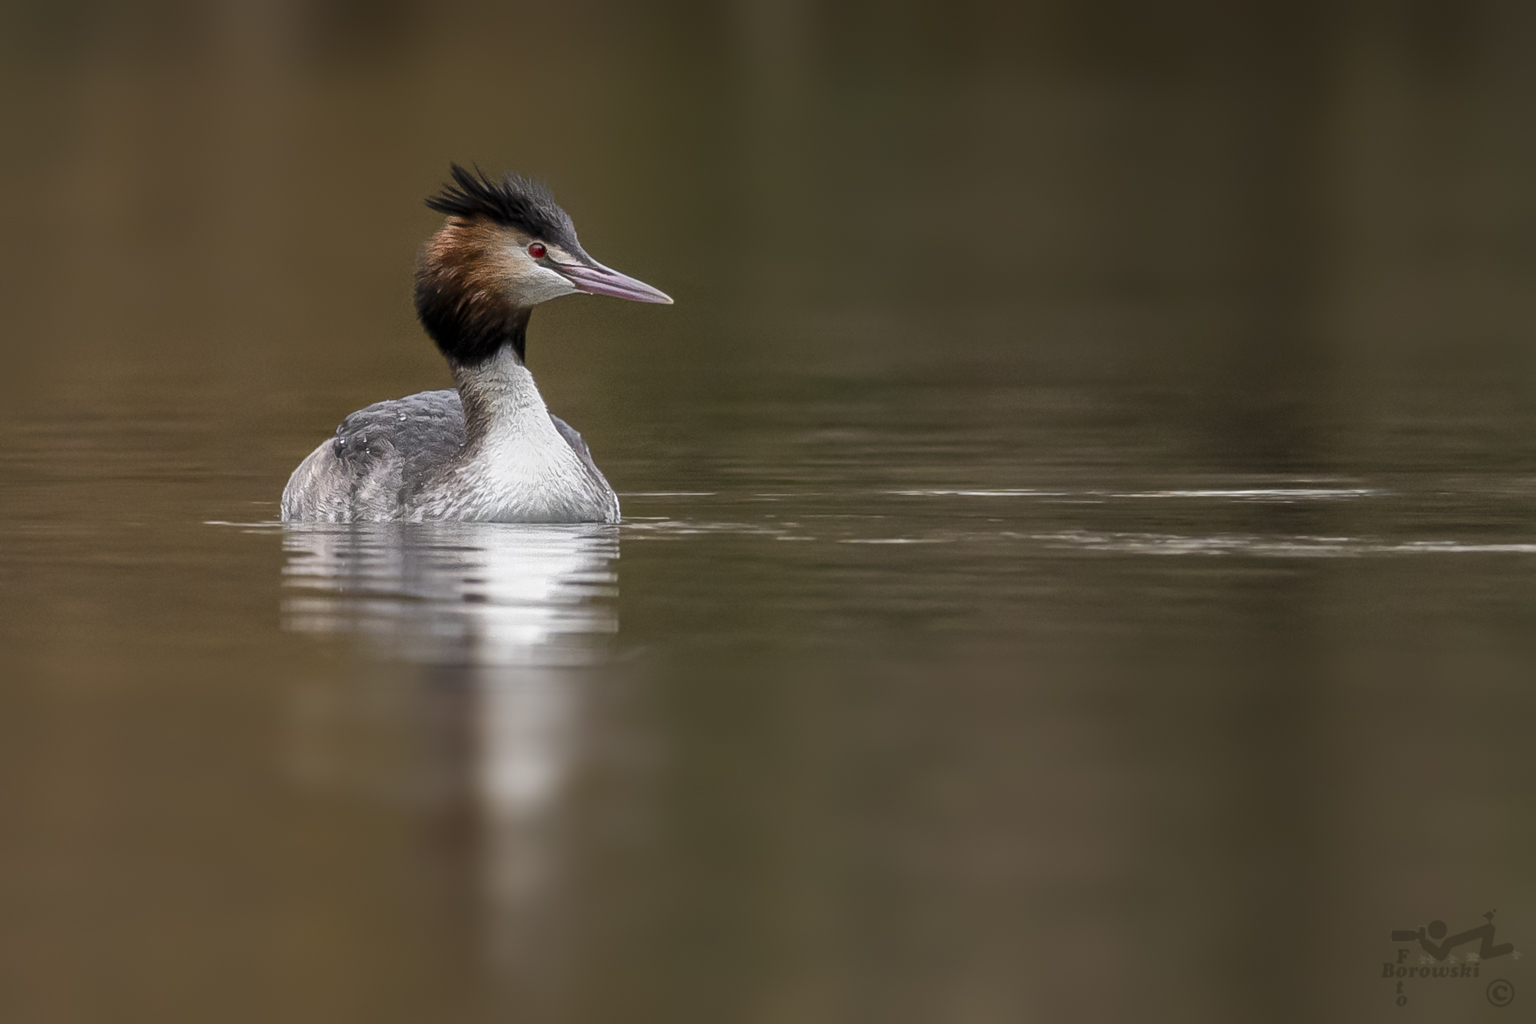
[(1279, 547), (517, 607), (1261, 494), (483, 595)]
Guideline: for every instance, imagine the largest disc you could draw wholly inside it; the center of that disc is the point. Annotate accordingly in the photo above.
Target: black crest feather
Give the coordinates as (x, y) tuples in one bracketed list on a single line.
[(513, 200)]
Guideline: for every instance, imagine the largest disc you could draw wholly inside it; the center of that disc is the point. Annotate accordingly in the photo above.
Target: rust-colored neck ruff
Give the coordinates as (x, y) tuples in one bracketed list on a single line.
[(461, 298)]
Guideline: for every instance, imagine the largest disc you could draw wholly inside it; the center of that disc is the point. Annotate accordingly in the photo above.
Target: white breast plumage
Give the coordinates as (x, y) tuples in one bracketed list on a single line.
[(520, 469)]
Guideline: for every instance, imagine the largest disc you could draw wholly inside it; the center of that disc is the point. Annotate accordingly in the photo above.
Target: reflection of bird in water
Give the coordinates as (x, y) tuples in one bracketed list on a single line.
[(490, 451), (477, 594), (510, 622)]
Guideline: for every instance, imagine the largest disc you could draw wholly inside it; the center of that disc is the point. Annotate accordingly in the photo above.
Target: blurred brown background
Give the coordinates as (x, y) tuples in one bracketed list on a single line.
[(1288, 199)]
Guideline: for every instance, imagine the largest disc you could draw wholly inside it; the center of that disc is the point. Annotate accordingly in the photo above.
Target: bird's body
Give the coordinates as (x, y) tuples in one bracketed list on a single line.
[(414, 459), (489, 451)]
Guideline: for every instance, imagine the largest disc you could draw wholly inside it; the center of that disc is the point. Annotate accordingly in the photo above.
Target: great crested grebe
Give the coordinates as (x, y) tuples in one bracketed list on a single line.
[(490, 451)]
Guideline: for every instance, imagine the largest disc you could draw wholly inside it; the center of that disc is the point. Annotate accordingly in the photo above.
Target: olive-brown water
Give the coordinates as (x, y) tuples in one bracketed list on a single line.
[(1079, 556)]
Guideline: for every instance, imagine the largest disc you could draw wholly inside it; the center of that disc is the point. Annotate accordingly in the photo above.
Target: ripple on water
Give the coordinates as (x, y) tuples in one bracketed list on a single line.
[(1268, 547)]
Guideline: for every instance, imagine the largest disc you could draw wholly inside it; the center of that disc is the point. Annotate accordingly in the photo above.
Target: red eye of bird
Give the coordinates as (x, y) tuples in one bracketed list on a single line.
[(537, 250)]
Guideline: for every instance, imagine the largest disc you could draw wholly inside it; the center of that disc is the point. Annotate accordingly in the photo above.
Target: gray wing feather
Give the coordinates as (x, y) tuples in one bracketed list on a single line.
[(384, 453), (410, 437), (579, 446), (377, 457)]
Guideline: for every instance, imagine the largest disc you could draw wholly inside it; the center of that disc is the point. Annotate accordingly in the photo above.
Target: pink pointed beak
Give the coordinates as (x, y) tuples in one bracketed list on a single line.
[(599, 280)]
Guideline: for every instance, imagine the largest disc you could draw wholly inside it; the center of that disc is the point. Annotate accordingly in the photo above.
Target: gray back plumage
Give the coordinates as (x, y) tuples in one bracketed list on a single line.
[(384, 454), (413, 436)]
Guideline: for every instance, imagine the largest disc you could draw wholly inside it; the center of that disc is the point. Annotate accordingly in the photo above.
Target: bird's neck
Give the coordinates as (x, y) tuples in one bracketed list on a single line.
[(463, 301), (501, 402)]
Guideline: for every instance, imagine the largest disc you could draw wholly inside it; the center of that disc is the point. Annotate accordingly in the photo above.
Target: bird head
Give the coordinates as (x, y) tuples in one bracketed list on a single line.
[(506, 247)]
